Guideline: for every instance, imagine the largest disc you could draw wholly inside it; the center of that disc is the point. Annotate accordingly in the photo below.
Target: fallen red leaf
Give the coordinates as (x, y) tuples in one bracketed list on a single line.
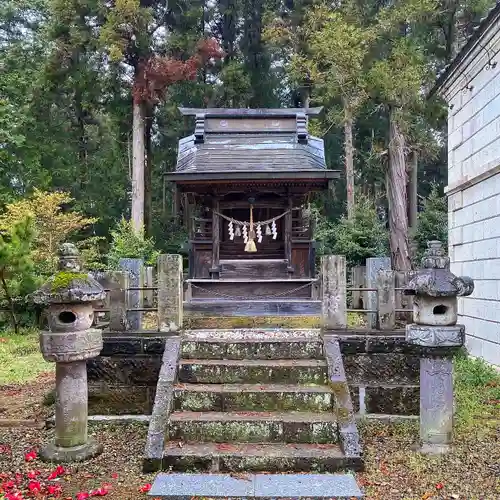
[(384, 469), (83, 495), (114, 475), (59, 471), (241, 475), (439, 486), (5, 449), (145, 488), (34, 487), (8, 485), (14, 496), (30, 456), (364, 482), (99, 492), (32, 474), (54, 489), (225, 447)]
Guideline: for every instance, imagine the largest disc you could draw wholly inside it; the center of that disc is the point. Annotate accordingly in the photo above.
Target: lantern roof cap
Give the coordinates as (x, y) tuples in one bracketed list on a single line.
[(435, 279), (70, 284)]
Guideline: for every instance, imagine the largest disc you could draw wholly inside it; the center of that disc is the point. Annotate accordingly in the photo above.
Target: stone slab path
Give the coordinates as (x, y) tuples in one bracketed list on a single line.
[(264, 486)]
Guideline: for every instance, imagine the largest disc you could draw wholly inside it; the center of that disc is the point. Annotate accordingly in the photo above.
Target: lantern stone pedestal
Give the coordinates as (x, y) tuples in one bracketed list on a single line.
[(69, 342), (435, 290), (436, 383)]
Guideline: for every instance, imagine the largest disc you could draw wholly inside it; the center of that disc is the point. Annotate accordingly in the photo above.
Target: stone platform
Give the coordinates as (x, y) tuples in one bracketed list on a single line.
[(264, 486), (382, 370)]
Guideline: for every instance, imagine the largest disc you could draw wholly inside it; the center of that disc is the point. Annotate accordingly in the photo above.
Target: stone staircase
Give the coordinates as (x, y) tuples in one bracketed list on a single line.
[(249, 401)]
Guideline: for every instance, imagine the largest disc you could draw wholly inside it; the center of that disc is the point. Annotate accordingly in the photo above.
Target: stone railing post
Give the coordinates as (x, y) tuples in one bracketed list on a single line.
[(170, 293), (358, 280), (70, 342), (386, 294), (435, 290), (373, 266), (119, 282), (334, 300), (148, 282), (135, 269)]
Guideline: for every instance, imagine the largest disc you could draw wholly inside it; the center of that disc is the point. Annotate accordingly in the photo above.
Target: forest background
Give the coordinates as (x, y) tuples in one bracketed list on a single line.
[(89, 120)]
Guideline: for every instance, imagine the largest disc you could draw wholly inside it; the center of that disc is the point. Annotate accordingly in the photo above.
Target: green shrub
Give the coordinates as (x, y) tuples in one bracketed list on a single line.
[(126, 242), (17, 278), (362, 236), (432, 223)]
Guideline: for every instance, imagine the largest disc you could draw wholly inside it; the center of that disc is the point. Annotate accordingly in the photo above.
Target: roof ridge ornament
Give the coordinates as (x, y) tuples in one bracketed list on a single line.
[(199, 130), (302, 128)]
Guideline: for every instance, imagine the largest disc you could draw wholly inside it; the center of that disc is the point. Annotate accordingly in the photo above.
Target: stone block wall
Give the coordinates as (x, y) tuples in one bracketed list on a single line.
[(382, 372), (474, 247), (474, 192), (122, 380)]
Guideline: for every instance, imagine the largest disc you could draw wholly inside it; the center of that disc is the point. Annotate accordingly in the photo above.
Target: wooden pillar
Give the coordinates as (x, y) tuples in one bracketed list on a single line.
[(288, 236), (334, 284), (215, 270)]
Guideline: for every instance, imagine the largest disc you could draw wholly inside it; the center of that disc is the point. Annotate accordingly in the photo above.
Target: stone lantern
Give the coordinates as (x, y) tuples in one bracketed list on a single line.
[(435, 331), (69, 296)]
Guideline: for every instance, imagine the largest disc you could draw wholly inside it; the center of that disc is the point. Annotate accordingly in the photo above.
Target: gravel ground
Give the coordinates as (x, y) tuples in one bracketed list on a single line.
[(393, 471)]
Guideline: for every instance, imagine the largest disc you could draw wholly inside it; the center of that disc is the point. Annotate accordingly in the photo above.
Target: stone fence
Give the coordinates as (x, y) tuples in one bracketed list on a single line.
[(151, 298)]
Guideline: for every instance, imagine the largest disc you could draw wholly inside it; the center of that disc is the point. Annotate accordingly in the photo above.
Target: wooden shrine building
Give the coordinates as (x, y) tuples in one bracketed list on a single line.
[(243, 181)]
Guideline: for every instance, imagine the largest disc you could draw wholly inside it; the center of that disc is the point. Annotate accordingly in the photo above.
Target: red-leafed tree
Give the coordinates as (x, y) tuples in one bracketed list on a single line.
[(130, 34)]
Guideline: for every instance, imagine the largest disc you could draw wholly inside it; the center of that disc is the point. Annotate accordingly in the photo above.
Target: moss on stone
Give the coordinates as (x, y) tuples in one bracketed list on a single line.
[(63, 279), (228, 322)]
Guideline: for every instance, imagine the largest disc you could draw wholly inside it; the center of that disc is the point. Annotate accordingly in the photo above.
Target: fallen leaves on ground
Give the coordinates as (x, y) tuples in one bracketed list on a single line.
[(471, 471), (395, 471)]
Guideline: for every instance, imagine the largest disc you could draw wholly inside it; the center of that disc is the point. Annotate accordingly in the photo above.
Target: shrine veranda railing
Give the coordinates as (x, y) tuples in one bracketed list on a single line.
[(370, 297)]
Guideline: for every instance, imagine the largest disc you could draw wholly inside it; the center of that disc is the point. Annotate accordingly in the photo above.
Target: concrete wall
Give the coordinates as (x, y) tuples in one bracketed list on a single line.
[(474, 193)]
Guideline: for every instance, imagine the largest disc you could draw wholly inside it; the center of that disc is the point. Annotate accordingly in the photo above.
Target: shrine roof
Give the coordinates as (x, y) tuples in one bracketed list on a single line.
[(260, 142)]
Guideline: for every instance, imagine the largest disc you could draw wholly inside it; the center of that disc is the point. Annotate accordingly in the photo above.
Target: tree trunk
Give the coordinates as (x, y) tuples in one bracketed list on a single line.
[(412, 192), (148, 172), (138, 160), (396, 197), (349, 159)]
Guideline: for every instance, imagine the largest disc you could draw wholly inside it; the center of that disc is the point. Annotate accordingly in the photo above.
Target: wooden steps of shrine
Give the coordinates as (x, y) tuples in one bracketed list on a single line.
[(251, 289), (212, 307), (255, 268)]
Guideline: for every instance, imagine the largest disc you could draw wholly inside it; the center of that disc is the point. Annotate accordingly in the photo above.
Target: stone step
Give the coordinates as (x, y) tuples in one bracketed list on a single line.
[(313, 486), (230, 371), (255, 320), (256, 397), (276, 457), (253, 427), (253, 347)]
